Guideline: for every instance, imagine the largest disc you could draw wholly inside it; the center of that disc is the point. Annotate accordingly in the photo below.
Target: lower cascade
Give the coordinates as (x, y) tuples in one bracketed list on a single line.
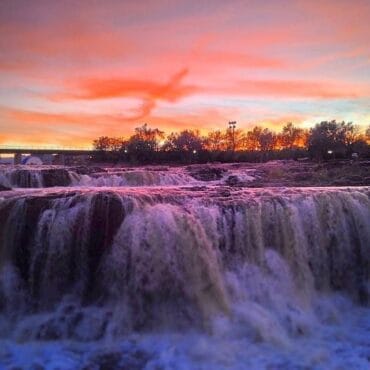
[(193, 277)]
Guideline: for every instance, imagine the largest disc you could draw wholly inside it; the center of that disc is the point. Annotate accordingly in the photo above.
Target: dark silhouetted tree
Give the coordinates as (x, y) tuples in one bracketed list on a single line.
[(253, 139), (184, 141), (328, 139), (102, 143), (216, 141), (235, 140), (109, 148), (291, 137), (144, 142)]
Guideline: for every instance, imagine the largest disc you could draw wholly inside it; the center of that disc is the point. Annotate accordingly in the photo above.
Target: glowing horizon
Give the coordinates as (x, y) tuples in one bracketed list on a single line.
[(73, 71)]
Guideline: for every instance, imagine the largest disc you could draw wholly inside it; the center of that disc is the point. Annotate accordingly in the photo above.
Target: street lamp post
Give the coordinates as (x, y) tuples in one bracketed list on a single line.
[(232, 125)]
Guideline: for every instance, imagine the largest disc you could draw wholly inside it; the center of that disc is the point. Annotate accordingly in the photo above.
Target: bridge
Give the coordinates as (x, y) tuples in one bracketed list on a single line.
[(41, 152)]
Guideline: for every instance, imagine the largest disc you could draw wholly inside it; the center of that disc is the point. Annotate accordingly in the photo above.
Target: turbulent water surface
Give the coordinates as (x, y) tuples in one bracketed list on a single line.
[(174, 268)]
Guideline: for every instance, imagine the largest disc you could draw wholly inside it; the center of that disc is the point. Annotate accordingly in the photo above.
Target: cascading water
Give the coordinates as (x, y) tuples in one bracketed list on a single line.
[(134, 177), (36, 177), (51, 176), (39, 177), (191, 277)]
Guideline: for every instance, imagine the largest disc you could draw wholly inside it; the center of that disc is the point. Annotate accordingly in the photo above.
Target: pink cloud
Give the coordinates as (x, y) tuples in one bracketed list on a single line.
[(163, 55)]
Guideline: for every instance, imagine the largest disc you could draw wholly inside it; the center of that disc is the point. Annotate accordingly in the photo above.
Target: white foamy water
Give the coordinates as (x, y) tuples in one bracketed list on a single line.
[(192, 276), (341, 344), (22, 176), (135, 178)]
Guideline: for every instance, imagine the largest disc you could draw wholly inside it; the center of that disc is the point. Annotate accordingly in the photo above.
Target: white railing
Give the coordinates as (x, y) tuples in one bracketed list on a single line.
[(41, 148)]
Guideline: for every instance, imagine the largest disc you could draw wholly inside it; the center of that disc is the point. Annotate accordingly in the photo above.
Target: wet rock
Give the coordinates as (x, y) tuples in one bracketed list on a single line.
[(88, 326), (4, 188), (156, 168), (25, 178), (233, 180), (225, 193), (106, 214), (50, 330), (303, 176), (87, 170), (55, 177), (104, 361), (117, 360), (256, 184), (197, 188), (365, 164), (206, 173), (39, 177), (69, 309), (346, 182), (355, 178), (135, 361)]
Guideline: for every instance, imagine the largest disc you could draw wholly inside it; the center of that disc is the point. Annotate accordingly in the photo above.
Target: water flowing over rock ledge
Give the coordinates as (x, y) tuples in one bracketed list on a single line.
[(63, 238), (214, 265), (274, 173)]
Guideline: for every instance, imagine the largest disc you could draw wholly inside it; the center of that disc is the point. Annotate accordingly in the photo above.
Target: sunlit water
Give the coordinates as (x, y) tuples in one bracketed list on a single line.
[(166, 271)]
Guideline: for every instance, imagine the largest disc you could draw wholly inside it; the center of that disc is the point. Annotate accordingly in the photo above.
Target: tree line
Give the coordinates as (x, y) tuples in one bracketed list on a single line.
[(327, 139)]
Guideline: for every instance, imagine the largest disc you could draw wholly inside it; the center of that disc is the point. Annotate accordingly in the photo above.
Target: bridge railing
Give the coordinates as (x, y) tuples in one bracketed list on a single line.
[(46, 147)]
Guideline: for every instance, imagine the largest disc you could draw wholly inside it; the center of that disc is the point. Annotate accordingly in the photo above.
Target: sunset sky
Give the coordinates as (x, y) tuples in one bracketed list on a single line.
[(71, 71)]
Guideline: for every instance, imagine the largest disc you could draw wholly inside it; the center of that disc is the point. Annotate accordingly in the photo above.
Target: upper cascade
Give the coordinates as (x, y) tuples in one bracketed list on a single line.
[(235, 175), (52, 176), (83, 176)]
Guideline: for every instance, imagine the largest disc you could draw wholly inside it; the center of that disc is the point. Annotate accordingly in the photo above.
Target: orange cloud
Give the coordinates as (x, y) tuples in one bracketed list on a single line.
[(74, 57), (75, 39), (34, 127), (276, 123), (149, 91), (65, 119), (80, 129), (93, 88), (174, 89), (297, 89)]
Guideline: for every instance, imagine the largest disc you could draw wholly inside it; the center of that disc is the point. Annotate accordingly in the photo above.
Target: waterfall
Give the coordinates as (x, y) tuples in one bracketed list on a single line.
[(35, 177), (143, 268), (135, 177), (51, 176), (167, 258)]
